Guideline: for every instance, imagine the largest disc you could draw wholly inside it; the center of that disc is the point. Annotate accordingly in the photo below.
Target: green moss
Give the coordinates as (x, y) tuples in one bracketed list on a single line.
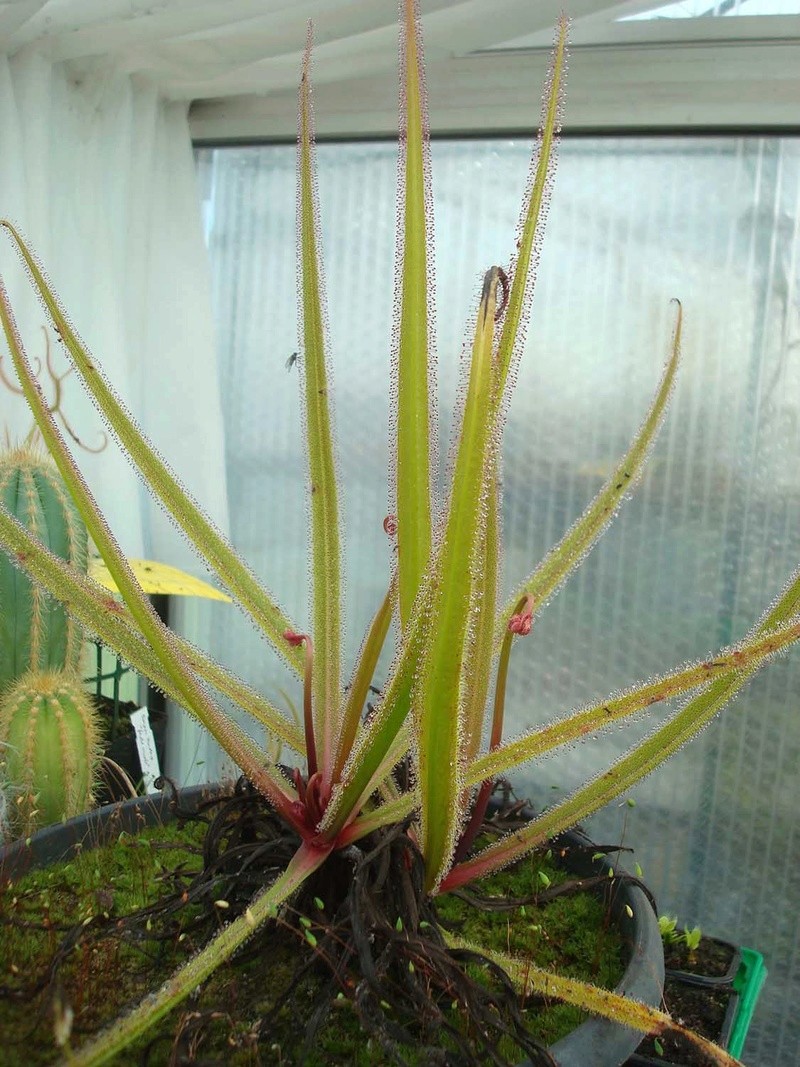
[(102, 976), (570, 935)]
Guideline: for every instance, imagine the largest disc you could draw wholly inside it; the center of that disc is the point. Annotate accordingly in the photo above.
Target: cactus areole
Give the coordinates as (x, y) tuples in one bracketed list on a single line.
[(36, 633)]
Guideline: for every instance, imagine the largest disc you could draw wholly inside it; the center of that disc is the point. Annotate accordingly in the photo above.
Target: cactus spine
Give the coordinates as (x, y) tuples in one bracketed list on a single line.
[(50, 744), (36, 633)]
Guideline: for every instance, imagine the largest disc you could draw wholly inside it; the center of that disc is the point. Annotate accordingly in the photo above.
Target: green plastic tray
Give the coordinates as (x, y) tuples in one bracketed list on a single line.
[(749, 979)]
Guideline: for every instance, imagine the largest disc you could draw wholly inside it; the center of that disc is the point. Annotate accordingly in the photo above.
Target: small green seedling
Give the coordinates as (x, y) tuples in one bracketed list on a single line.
[(672, 935)]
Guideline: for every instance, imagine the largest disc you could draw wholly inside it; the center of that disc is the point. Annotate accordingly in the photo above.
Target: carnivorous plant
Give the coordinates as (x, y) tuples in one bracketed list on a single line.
[(450, 667)]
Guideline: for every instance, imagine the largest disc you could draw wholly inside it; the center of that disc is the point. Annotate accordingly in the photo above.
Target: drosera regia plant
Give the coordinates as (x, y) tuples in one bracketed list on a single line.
[(449, 672)]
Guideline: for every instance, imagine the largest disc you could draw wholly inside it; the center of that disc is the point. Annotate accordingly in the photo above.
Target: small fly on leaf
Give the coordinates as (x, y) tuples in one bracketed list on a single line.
[(290, 362)]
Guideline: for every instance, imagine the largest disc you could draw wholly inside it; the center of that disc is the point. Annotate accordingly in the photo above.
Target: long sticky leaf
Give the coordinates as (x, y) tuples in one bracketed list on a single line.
[(532, 233), (413, 427), (385, 736), (590, 720), (211, 545), (155, 633), (777, 629), (385, 741), (202, 965), (625, 773), (389, 814), (579, 539), (608, 1004), (377, 738), (115, 627), (325, 547), (437, 702), (363, 676), (477, 665)]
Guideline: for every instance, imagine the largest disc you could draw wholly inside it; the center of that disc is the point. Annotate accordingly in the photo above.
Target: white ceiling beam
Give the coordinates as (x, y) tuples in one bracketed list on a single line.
[(240, 30), (191, 54), (702, 86), (14, 16), (239, 61)]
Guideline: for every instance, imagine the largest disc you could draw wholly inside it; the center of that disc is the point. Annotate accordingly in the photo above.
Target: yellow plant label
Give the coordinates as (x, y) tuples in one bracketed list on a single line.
[(157, 577)]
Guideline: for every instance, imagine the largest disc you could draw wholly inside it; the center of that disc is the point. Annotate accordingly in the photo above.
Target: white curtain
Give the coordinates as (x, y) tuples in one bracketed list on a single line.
[(98, 174)]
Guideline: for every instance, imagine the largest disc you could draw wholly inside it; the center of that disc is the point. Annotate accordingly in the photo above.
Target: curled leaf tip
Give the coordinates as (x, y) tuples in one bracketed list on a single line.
[(505, 287), (293, 638), (521, 622)]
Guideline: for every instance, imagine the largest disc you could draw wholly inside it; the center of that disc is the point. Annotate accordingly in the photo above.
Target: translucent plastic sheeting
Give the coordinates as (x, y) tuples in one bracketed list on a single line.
[(705, 544)]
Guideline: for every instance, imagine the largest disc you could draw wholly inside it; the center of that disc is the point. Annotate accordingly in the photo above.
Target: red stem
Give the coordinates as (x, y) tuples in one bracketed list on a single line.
[(308, 716), (520, 623), (470, 831)]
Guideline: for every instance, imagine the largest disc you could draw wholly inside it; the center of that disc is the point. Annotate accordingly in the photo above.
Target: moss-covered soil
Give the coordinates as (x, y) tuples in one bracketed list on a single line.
[(72, 914)]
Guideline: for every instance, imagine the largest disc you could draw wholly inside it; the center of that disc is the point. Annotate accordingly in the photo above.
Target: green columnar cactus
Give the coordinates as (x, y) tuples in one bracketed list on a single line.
[(36, 633), (49, 742)]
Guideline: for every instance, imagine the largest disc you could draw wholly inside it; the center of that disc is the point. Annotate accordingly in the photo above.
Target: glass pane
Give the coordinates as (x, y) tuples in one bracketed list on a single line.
[(704, 545), (692, 9)]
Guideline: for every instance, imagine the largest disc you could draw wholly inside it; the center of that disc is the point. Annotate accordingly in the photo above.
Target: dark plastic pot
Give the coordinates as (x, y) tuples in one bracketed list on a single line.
[(99, 827), (596, 1043), (600, 1042), (710, 980), (743, 979)]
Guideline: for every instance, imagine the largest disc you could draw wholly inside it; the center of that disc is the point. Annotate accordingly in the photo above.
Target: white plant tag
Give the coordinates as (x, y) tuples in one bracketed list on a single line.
[(146, 746)]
